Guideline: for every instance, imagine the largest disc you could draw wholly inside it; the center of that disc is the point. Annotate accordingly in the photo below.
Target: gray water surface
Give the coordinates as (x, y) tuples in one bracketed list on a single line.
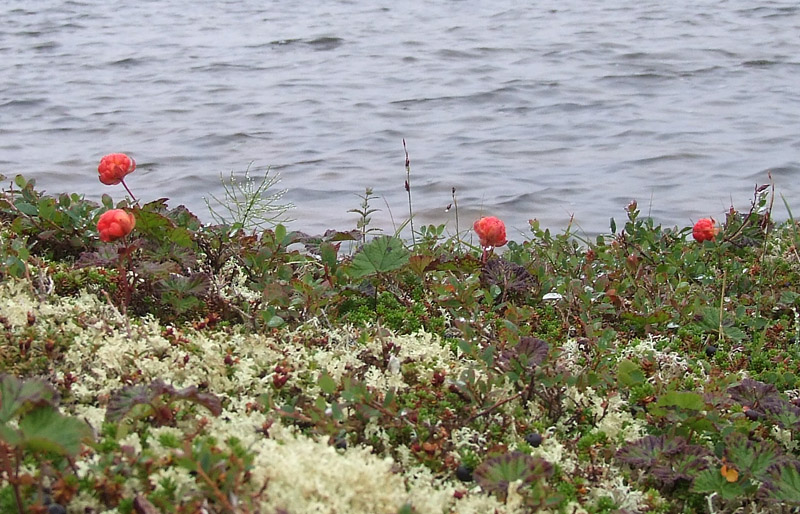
[(541, 109)]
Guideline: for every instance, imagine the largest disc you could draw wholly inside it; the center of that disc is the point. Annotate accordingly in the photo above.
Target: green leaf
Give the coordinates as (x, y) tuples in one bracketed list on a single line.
[(195, 284), (327, 384), (27, 208), (183, 217), (712, 481), (153, 224), (16, 396), (45, 429), (275, 321), (734, 333), (642, 320), (381, 255), (327, 253), (280, 232), (496, 473), (788, 297), (388, 400), (786, 484), (684, 400), (466, 347), (47, 208), (181, 237), (418, 263), (629, 373), (756, 458), (10, 436)]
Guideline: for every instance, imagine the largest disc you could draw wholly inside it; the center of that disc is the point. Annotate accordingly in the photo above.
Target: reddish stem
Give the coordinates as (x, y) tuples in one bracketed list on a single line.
[(124, 267), (129, 191)]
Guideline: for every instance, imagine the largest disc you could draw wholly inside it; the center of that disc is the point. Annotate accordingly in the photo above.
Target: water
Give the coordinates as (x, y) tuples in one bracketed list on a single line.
[(545, 110)]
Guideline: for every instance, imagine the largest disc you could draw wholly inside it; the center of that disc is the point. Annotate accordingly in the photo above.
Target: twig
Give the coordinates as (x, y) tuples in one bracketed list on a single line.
[(493, 407), (219, 494)]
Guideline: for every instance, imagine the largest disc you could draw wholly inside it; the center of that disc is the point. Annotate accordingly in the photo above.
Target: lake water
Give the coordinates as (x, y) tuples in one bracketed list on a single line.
[(545, 109)]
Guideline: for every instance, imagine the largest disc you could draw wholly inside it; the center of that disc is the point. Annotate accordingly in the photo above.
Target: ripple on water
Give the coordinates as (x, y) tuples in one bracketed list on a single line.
[(548, 111)]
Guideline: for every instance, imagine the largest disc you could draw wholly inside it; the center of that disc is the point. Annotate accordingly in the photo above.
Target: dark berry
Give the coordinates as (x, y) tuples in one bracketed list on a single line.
[(464, 473), (711, 350), (534, 439), (55, 508), (340, 444), (752, 415)]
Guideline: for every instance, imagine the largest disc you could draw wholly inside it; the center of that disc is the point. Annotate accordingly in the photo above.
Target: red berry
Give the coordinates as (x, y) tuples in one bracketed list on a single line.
[(705, 230)]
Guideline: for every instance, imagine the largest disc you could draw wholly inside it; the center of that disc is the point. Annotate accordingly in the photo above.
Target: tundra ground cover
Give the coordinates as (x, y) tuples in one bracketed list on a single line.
[(183, 367)]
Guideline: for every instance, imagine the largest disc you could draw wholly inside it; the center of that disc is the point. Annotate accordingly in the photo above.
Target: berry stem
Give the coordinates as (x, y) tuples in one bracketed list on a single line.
[(129, 191)]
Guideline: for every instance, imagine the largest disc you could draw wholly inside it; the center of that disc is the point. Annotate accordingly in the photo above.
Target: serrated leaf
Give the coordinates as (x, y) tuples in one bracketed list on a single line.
[(124, 400), (756, 396), (712, 481), (9, 435), (16, 396), (642, 320), (381, 255), (734, 333), (788, 297), (528, 353), (152, 269), (334, 235), (153, 224), (195, 284), (785, 484), (785, 414), (667, 459), (45, 429), (756, 458), (646, 451), (495, 474), (183, 217), (418, 263), (181, 237)]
